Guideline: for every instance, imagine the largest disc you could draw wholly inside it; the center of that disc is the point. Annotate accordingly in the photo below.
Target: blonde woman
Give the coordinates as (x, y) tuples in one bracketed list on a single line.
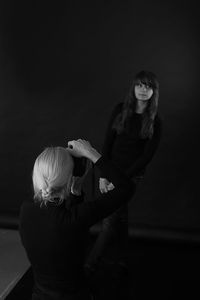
[(54, 225)]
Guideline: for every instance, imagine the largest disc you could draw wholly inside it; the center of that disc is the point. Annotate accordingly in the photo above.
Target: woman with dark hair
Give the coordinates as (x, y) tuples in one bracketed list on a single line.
[(54, 226), (131, 140)]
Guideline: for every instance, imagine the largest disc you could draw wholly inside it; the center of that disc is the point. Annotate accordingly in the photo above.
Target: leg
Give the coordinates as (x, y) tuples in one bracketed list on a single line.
[(114, 229)]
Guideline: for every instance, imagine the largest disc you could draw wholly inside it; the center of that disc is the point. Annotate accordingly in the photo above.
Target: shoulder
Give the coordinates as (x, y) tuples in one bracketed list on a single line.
[(26, 212), (26, 204), (27, 207)]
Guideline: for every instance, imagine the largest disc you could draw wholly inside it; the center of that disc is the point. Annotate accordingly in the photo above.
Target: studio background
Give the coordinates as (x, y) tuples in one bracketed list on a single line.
[(63, 67)]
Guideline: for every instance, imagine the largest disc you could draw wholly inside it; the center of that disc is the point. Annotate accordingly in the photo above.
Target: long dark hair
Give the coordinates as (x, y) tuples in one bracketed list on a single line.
[(129, 105)]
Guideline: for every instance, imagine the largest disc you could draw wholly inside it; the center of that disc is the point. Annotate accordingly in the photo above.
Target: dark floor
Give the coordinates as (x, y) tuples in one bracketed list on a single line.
[(164, 269), (157, 269)]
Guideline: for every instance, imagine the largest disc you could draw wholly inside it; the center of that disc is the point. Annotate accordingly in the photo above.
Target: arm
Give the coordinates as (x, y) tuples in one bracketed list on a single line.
[(78, 181), (88, 213), (107, 147), (110, 133), (105, 186), (149, 151)]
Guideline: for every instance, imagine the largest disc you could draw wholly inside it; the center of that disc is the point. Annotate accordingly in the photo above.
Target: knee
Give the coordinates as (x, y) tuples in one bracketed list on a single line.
[(108, 223)]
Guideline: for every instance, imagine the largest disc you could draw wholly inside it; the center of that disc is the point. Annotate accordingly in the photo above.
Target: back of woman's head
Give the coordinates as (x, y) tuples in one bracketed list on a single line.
[(52, 174)]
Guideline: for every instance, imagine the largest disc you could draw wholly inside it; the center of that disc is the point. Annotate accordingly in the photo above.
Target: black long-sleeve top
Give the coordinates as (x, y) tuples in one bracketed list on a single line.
[(128, 150), (54, 236)]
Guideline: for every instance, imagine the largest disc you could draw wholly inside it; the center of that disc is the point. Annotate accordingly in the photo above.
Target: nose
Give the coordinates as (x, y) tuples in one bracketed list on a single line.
[(144, 88)]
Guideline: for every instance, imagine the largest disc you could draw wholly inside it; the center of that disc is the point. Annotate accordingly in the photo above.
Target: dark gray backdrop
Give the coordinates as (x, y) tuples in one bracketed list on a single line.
[(64, 65)]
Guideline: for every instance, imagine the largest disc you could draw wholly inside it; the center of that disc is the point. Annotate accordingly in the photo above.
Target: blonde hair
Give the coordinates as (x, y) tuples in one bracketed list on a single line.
[(52, 175)]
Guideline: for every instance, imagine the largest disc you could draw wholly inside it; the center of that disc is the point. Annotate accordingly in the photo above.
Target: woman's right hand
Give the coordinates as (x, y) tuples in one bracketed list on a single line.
[(105, 186), (82, 148)]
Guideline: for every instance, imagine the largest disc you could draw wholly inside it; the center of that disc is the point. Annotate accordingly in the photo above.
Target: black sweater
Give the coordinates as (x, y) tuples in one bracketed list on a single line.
[(128, 150), (54, 237)]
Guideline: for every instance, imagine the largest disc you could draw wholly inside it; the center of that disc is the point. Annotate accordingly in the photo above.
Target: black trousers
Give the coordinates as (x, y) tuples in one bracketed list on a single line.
[(114, 230)]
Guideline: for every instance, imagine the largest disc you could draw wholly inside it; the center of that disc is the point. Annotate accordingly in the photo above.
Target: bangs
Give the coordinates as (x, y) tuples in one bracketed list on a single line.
[(147, 78), (145, 81)]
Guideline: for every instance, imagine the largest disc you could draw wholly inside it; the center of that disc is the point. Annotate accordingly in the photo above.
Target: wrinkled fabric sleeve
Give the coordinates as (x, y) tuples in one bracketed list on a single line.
[(90, 212)]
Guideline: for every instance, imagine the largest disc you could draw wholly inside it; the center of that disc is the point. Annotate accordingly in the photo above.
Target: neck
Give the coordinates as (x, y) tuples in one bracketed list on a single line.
[(140, 106)]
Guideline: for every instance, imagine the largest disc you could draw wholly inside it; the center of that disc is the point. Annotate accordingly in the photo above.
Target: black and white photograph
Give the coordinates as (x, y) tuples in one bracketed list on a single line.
[(99, 152)]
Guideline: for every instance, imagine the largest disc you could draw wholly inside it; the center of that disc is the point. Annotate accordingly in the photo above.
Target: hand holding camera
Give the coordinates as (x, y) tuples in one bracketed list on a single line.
[(82, 148)]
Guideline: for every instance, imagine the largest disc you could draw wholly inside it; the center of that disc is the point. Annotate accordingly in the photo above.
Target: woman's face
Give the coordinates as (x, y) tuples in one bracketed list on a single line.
[(143, 92)]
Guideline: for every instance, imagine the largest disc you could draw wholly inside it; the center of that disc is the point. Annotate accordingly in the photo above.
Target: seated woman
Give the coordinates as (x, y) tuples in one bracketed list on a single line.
[(54, 227)]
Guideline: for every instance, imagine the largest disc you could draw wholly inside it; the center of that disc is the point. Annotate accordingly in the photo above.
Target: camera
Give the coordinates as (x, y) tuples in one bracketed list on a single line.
[(80, 166)]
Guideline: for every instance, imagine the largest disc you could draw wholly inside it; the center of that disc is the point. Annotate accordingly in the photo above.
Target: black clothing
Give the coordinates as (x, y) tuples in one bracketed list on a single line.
[(54, 236), (128, 150), (131, 154)]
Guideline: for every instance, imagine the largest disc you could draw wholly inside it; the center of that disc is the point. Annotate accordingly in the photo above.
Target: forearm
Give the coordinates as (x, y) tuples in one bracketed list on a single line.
[(111, 172), (137, 168), (149, 151), (91, 212), (140, 164), (93, 155)]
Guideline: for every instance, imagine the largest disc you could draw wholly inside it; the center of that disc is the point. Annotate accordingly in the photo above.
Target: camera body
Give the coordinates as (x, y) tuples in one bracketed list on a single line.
[(80, 166)]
